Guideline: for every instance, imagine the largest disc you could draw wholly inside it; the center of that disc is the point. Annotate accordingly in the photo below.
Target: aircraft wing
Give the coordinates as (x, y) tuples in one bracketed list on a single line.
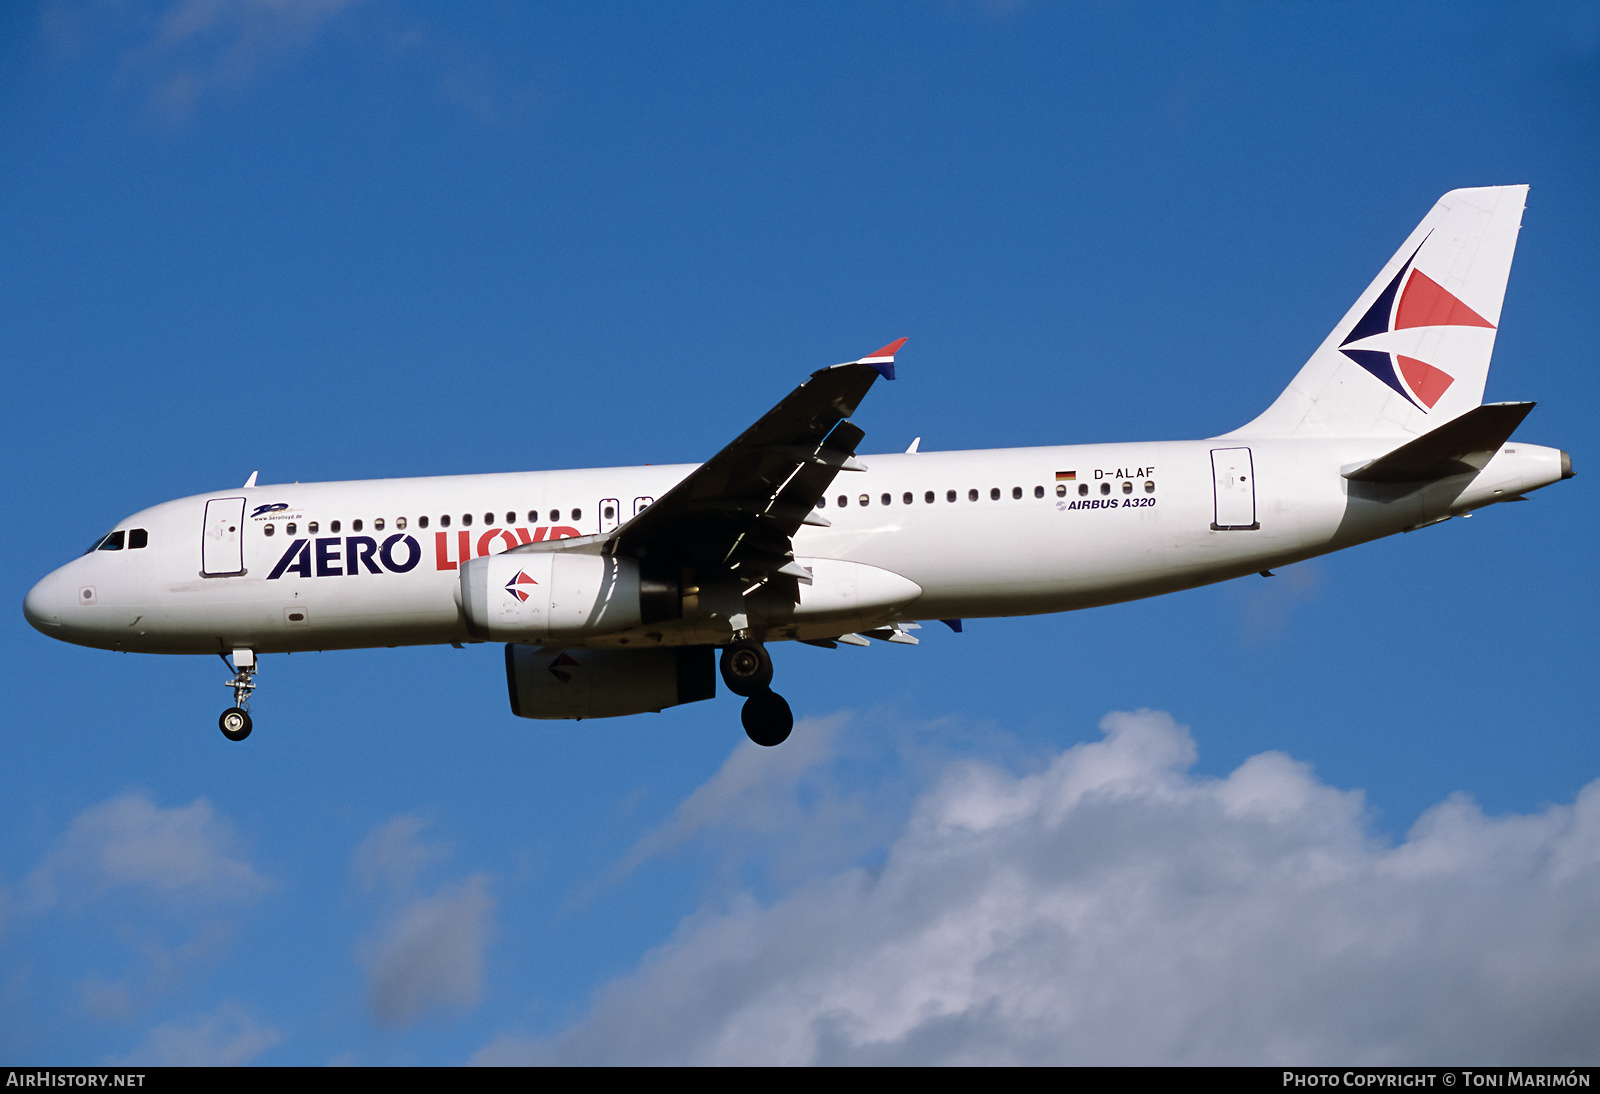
[(738, 510)]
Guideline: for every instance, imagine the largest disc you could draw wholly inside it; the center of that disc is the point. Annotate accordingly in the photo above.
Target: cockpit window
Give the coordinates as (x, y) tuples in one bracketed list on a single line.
[(137, 538), (113, 542)]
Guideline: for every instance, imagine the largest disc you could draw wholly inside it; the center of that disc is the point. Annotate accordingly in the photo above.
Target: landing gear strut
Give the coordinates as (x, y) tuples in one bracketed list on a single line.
[(747, 670), (235, 721)]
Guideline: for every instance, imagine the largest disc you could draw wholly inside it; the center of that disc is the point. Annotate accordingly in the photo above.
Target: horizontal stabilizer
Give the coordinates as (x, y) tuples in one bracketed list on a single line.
[(1462, 446)]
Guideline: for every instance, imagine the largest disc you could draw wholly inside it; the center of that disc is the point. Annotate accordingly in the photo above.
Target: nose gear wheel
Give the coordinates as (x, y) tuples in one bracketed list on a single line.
[(235, 724), (235, 721)]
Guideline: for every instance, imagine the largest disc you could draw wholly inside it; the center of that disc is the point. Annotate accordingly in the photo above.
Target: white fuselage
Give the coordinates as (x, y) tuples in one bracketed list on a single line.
[(377, 561)]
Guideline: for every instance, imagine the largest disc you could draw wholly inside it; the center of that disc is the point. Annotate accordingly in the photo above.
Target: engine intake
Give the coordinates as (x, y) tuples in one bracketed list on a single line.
[(550, 595)]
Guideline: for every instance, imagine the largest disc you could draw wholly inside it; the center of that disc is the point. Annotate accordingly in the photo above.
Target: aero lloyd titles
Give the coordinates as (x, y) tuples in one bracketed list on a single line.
[(399, 553)]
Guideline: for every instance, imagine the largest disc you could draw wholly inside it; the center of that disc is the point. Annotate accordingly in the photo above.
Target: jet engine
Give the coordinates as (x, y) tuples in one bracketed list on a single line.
[(535, 596), (555, 683)]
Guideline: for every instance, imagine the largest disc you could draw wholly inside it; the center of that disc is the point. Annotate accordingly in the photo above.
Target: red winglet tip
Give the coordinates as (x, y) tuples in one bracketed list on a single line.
[(890, 350)]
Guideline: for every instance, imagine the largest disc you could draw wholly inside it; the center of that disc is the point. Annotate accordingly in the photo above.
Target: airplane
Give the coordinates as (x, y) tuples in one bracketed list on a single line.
[(614, 589)]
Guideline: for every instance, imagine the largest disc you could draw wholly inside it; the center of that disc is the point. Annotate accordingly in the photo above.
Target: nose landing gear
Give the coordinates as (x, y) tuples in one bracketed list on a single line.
[(235, 721), (747, 670)]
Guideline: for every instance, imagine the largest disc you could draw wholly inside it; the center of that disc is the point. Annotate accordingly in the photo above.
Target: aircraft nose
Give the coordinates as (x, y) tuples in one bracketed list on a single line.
[(42, 605)]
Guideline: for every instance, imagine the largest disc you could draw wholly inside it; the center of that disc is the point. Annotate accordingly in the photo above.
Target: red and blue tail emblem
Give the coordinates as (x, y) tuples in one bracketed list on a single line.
[(520, 579), (1423, 302)]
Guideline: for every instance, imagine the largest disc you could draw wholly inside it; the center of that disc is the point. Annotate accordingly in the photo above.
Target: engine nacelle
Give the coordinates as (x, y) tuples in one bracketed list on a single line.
[(549, 595), (548, 683)]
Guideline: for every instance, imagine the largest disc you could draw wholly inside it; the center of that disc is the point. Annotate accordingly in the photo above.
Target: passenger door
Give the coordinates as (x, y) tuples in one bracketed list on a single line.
[(1233, 479), (222, 547)]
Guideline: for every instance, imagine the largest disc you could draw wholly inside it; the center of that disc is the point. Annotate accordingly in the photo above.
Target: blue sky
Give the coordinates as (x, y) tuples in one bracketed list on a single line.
[(329, 240)]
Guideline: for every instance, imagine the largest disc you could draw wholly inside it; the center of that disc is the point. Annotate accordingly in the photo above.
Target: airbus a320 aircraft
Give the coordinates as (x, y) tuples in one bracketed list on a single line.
[(614, 588)]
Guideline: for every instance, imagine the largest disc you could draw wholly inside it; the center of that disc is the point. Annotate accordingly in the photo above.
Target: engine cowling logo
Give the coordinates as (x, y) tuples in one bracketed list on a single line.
[(521, 579)]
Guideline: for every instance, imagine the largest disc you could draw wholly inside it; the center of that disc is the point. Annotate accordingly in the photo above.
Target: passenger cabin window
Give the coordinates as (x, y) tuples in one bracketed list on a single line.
[(288, 529), (1083, 488), (333, 526), (994, 493), (422, 522), (355, 525), (822, 503), (555, 515), (949, 495), (311, 529), (269, 529), (1105, 488), (928, 497), (533, 516), (886, 499), (610, 513), (972, 495), (466, 519), (1038, 491), (511, 518), (577, 514), (400, 523), (843, 501), (488, 518), (1127, 487), (1016, 492), (1149, 486), (113, 542), (905, 499), (865, 499), (377, 525)]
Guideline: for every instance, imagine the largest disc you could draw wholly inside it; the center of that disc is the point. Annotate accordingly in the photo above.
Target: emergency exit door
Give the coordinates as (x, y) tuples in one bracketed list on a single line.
[(222, 548), (1233, 481)]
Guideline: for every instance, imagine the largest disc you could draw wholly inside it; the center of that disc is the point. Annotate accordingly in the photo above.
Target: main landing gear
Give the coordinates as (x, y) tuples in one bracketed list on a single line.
[(747, 670), (235, 721)]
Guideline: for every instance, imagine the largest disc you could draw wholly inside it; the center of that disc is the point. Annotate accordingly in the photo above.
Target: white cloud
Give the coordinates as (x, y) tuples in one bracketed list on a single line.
[(1113, 908), (429, 953), (167, 884), (185, 856), (392, 858), (1268, 604), (204, 46), (754, 791), (227, 1037)]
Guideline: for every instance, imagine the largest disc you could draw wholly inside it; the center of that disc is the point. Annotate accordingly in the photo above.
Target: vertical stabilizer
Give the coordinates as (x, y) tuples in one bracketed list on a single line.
[(1413, 353)]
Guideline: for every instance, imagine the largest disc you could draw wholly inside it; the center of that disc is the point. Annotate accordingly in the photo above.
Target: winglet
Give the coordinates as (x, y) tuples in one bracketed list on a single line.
[(251, 481), (883, 359)]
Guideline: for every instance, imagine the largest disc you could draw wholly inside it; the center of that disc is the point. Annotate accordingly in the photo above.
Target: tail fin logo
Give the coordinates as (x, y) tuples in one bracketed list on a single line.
[(520, 579), (1422, 302)]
